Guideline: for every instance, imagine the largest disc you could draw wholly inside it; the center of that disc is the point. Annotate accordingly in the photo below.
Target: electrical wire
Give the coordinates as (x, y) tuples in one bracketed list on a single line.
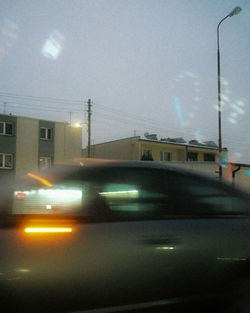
[(36, 98), (103, 112), (27, 106)]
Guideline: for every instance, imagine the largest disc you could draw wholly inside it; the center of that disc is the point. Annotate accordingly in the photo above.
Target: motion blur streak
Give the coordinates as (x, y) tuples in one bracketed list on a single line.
[(48, 230), (42, 180), (118, 192)]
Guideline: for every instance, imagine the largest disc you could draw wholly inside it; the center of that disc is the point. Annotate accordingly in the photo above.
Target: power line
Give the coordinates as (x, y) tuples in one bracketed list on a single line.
[(120, 116), (149, 120), (123, 120), (143, 121), (190, 132), (36, 98), (29, 106)]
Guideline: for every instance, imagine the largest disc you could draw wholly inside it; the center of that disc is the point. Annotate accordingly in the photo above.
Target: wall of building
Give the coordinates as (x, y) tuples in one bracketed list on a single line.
[(30, 151), (201, 151), (73, 142), (27, 135), (59, 145), (208, 168), (132, 149), (46, 146), (68, 142), (182, 155), (8, 144), (242, 177), (178, 152), (124, 149)]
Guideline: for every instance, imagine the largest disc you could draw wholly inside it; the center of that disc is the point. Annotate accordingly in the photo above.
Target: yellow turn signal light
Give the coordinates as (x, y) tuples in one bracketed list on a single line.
[(48, 230)]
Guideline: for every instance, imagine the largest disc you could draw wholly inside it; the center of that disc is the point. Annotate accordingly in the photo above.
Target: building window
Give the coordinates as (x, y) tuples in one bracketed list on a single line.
[(209, 157), (165, 156), (192, 156), (45, 162), (147, 155), (45, 133), (6, 160), (6, 128)]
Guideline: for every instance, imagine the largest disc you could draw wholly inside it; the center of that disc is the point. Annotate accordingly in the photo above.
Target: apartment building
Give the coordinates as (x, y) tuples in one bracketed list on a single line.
[(150, 148), (30, 144)]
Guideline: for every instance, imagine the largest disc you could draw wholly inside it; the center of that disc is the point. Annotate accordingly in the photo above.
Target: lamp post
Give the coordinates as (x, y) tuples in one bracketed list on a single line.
[(234, 12)]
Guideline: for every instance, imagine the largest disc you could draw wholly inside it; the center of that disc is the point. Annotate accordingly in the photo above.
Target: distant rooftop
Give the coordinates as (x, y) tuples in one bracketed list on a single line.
[(177, 140), (173, 141), (180, 140)]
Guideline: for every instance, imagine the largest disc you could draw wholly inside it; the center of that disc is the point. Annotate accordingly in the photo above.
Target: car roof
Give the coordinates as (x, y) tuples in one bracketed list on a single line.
[(64, 169)]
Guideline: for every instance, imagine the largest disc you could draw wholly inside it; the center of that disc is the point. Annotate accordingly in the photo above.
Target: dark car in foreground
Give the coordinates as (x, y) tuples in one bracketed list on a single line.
[(124, 237)]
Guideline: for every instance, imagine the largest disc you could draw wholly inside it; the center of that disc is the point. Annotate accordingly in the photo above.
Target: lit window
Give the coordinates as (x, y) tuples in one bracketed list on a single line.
[(6, 128), (44, 162), (45, 133), (6, 160), (165, 156)]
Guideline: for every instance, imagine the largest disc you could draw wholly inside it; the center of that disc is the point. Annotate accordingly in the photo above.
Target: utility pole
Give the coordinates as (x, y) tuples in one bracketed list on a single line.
[(4, 107), (89, 125)]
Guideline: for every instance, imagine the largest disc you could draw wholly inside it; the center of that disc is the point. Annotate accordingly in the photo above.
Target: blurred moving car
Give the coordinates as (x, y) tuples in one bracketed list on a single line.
[(124, 237)]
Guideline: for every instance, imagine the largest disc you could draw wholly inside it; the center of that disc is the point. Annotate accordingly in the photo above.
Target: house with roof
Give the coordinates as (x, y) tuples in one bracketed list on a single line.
[(151, 148)]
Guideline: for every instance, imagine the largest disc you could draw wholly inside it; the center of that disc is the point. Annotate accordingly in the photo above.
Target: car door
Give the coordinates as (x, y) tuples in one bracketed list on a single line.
[(178, 235)]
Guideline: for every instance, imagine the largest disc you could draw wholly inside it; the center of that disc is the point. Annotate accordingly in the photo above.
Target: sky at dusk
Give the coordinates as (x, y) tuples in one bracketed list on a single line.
[(147, 65)]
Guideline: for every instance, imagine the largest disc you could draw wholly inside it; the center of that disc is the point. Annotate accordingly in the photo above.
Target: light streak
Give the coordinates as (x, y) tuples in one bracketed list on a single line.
[(40, 179), (48, 230), (118, 192), (178, 110)]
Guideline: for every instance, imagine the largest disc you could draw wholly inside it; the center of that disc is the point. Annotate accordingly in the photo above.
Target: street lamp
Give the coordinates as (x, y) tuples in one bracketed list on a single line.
[(234, 12)]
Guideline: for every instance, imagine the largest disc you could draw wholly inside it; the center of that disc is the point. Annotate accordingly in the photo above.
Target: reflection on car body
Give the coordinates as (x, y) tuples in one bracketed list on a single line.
[(124, 236)]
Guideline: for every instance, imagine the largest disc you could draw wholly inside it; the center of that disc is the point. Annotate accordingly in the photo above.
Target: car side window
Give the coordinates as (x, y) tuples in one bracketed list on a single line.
[(204, 197), (156, 193), (129, 192), (130, 198)]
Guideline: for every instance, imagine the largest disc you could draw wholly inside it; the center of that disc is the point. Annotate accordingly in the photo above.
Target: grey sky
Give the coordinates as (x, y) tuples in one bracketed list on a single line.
[(148, 65)]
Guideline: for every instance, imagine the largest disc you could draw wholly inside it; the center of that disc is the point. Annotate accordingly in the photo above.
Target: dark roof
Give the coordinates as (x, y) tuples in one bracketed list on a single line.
[(177, 140), (195, 142), (210, 144)]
